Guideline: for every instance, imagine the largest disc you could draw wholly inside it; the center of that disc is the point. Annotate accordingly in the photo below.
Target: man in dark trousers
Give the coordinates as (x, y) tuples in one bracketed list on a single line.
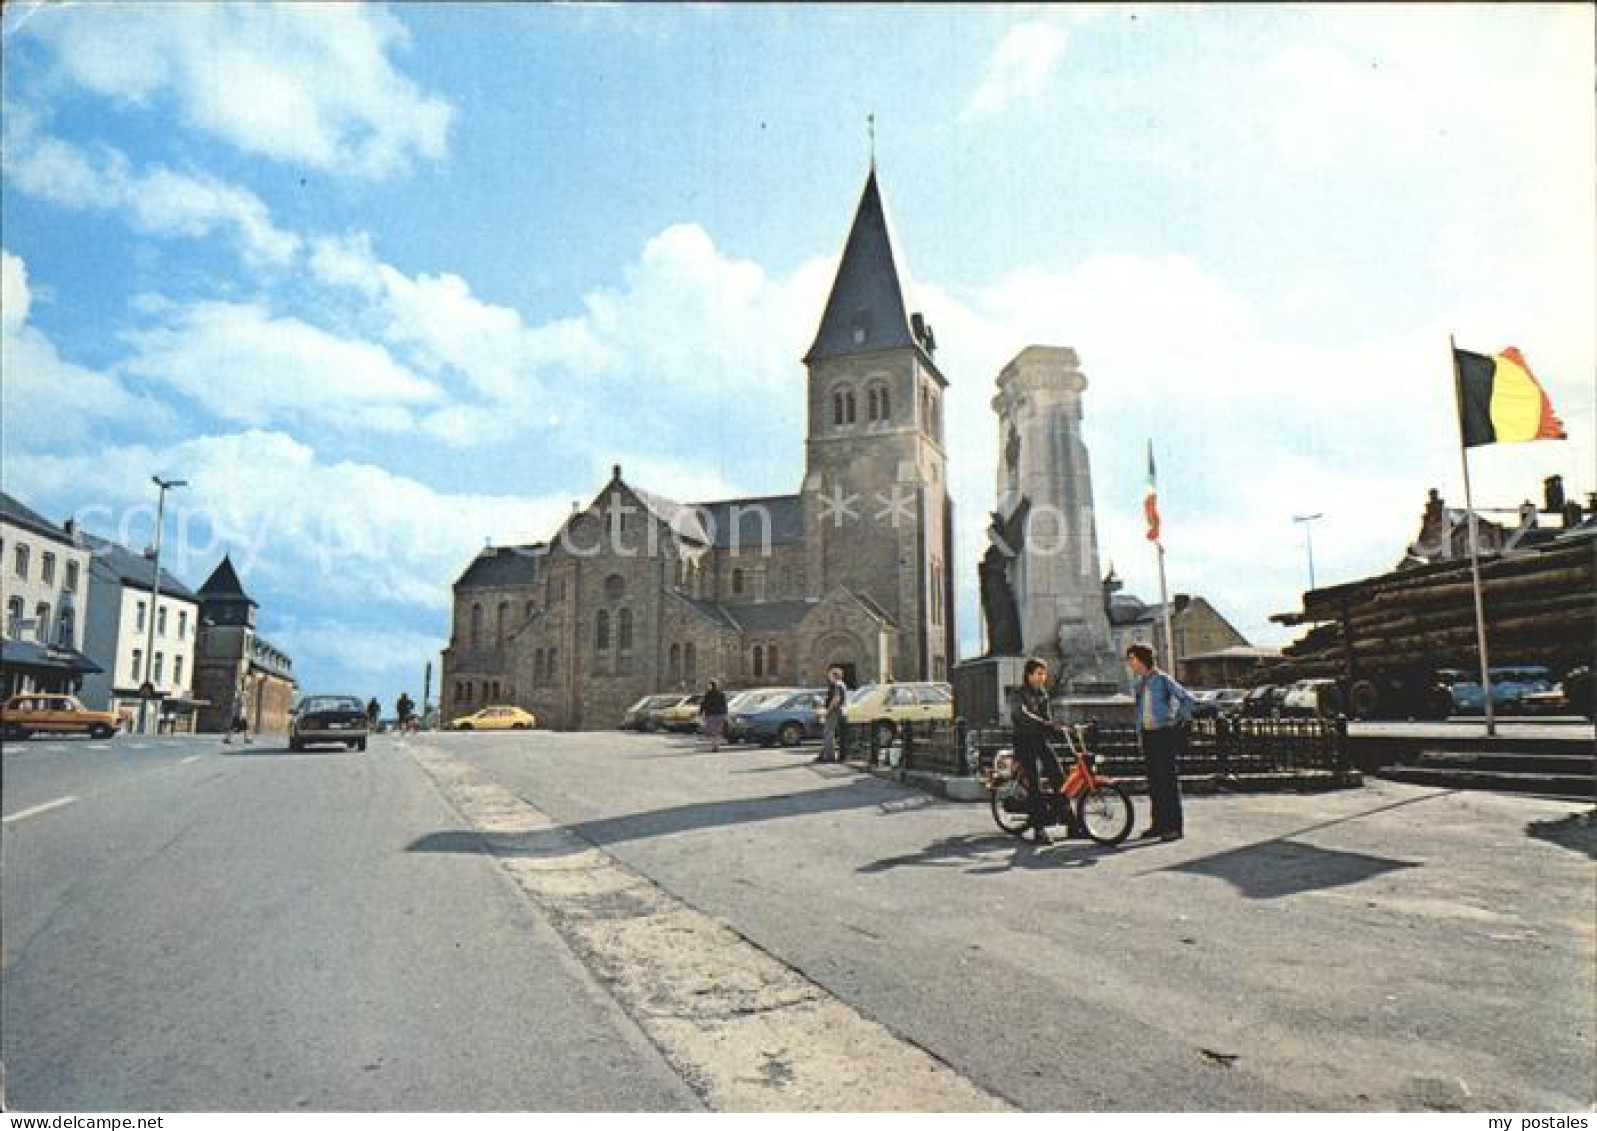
[(1034, 726), (1164, 712), (832, 715)]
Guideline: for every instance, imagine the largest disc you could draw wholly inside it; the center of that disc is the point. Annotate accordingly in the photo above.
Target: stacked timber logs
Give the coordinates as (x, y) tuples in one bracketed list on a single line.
[(1540, 607)]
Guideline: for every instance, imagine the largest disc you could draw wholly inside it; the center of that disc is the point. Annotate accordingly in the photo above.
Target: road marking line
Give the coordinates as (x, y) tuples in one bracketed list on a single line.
[(744, 1029), (37, 809)]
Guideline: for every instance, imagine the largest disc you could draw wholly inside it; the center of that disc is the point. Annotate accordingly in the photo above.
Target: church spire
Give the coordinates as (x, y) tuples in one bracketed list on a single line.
[(867, 310)]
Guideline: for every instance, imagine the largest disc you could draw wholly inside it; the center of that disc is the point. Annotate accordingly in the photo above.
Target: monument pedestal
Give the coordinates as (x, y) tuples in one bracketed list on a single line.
[(983, 689)]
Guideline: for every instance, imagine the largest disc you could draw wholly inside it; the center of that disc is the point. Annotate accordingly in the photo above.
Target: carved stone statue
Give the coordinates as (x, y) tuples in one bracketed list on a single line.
[(998, 604)]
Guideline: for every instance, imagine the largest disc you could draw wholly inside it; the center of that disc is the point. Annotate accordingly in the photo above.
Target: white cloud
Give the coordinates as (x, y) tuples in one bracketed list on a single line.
[(309, 84), (1019, 68), (312, 531), (159, 202), (245, 365), (45, 399)]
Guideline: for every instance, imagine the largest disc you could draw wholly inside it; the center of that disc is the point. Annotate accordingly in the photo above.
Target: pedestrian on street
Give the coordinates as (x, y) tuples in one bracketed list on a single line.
[(404, 707), (832, 714), (1034, 726), (1164, 716), (373, 709), (240, 725), (712, 709)]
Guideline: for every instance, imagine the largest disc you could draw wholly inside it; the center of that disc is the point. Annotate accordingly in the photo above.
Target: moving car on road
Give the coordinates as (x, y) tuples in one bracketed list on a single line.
[(788, 718), (496, 718), (36, 713), (884, 706), (1262, 702), (1217, 703), (329, 718)]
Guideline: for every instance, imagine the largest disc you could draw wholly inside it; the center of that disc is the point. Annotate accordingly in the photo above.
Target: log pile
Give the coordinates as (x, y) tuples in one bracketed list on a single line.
[(1540, 606)]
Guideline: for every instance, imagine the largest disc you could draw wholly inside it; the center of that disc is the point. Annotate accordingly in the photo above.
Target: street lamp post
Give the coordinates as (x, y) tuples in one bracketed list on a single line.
[(155, 601), (1307, 521)]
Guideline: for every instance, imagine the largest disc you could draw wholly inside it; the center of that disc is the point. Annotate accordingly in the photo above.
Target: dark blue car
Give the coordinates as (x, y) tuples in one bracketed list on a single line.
[(787, 721)]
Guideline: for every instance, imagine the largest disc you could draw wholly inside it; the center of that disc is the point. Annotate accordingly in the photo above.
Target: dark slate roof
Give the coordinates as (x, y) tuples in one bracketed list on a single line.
[(1126, 609), (113, 561), (680, 517), (785, 514), (771, 616), (709, 610), (18, 513), (224, 583), (29, 654), (500, 566), (868, 291)]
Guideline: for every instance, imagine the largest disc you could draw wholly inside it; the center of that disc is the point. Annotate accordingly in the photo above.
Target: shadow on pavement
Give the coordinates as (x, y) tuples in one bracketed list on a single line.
[(1576, 832), (989, 853), (1276, 868), (859, 793)]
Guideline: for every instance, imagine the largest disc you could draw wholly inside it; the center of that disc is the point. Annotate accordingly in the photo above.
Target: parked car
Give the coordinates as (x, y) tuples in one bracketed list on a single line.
[(637, 715), (1510, 685), (496, 718), (1215, 702), (1262, 702), (1312, 698), (883, 706), (38, 713), (682, 715), (746, 703), (329, 718), (788, 719)]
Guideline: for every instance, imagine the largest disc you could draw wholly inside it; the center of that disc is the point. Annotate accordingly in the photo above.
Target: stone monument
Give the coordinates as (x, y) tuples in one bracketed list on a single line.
[(1044, 536)]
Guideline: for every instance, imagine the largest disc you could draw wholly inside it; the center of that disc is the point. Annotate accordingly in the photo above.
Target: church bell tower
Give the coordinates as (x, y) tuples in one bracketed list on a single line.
[(878, 520)]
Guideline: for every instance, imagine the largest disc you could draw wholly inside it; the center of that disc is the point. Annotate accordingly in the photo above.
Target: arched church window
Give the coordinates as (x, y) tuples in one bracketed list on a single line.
[(870, 404), (848, 407), (615, 587), (887, 412), (759, 662), (737, 581), (770, 661), (837, 409)]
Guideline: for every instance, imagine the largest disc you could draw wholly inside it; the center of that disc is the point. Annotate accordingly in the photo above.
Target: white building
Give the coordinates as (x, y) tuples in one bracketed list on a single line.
[(136, 639), (44, 576)]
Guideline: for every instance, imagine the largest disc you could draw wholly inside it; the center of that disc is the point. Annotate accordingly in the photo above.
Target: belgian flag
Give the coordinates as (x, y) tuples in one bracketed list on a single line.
[(1500, 402)]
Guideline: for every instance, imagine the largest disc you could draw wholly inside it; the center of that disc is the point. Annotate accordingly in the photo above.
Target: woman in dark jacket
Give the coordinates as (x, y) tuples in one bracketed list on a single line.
[(712, 709), (1034, 726)]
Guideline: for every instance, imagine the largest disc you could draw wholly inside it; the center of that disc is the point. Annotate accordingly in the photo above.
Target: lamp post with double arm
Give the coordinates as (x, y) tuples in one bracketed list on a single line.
[(147, 689)]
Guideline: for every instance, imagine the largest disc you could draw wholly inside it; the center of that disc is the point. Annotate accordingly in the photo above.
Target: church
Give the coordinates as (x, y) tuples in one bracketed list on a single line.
[(640, 593)]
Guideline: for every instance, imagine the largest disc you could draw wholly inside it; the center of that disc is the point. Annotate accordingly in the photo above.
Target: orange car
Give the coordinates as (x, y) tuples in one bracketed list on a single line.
[(38, 713)]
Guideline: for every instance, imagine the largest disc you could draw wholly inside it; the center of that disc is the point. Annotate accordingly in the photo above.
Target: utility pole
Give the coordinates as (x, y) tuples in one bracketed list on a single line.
[(1307, 521), (147, 689)]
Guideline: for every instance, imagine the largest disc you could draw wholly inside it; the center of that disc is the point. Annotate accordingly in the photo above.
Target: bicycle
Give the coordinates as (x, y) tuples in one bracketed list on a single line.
[(1102, 807)]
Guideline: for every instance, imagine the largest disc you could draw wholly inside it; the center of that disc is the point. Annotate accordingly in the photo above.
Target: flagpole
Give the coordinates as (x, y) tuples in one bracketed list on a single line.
[(1169, 649), (1474, 546)]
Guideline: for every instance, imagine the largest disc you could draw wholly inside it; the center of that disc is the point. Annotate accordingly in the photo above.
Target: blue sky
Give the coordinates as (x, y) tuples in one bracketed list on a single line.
[(388, 283)]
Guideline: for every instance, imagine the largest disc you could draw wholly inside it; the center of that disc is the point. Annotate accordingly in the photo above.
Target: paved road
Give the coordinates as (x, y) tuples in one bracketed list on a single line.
[(426, 926), (212, 928)]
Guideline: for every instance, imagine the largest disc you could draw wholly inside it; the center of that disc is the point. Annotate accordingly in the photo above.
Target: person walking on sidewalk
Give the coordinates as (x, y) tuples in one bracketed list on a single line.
[(1034, 726), (832, 714), (712, 709), (1164, 714)]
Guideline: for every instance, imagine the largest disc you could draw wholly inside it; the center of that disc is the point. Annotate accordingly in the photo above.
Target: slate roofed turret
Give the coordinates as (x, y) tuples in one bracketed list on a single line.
[(224, 583), (868, 309)]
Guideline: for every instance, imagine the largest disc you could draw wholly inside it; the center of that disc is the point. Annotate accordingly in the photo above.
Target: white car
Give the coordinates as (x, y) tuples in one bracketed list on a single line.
[(883, 706), (1312, 698)]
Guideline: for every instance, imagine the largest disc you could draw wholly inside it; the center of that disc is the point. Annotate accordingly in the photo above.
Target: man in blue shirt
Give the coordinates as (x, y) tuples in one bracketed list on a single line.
[(1164, 712)]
